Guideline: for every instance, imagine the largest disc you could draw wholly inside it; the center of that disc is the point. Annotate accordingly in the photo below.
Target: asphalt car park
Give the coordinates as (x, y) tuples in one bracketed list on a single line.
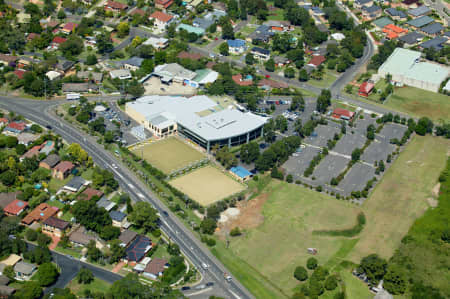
[(378, 150), (356, 178), (349, 142), (299, 161), (391, 131), (321, 135), (330, 166), (361, 124)]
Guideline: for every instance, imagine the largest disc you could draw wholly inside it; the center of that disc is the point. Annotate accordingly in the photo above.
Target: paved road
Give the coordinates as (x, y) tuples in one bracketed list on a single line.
[(441, 9), (70, 266), (39, 111)]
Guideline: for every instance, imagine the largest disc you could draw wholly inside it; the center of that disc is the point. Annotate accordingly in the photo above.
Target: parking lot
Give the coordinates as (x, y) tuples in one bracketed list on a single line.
[(349, 142), (391, 131), (378, 150), (321, 135), (357, 178), (154, 86), (362, 124), (330, 166), (299, 162)]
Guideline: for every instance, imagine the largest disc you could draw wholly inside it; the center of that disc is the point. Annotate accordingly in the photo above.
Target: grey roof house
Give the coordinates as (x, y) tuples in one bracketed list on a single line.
[(419, 11), (261, 34), (106, 204), (75, 184), (24, 270), (420, 22), (395, 13), (436, 43), (80, 87), (432, 29), (412, 38)]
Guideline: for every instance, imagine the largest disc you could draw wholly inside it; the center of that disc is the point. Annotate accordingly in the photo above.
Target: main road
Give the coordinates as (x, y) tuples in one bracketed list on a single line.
[(42, 112)]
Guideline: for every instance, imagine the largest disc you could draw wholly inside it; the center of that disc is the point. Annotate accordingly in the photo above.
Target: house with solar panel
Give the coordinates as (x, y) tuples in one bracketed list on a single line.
[(137, 249)]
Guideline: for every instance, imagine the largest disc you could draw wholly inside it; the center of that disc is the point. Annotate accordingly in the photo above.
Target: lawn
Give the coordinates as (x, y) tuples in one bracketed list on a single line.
[(207, 185), (169, 154), (290, 213), (355, 288), (327, 79), (97, 285), (420, 102), (56, 184), (401, 196)]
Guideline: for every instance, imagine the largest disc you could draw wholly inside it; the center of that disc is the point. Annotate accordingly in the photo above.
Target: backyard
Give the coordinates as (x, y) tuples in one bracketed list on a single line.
[(207, 185), (97, 285), (169, 154)]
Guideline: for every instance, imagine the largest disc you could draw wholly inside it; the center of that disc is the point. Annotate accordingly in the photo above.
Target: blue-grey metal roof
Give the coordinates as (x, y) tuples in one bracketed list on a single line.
[(117, 215), (261, 50), (411, 38), (134, 61), (236, 43), (381, 22), (435, 43), (202, 23), (420, 22), (362, 2), (396, 13), (419, 11), (371, 9), (433, 28)]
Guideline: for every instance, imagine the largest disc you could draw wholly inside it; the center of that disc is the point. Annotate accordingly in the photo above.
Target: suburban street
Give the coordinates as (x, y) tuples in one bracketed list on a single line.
[(196, 252)]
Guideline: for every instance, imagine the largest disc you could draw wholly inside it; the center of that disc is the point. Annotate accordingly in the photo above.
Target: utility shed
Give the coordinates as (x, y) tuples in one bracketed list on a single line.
[(408, 68)]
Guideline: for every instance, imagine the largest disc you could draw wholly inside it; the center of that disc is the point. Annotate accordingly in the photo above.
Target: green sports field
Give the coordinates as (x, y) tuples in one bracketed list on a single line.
[(207, 185), (169, 154)]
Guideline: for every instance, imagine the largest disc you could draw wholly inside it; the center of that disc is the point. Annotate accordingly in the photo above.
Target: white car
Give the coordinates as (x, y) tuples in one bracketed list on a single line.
[(205, 266)]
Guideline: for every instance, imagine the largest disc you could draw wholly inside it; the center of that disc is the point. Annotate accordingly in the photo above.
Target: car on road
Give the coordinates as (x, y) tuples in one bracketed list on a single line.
[(267, 76), (200, 287), (185, 288), (49, 127), (205, 266), (227, 277), (209, 284)]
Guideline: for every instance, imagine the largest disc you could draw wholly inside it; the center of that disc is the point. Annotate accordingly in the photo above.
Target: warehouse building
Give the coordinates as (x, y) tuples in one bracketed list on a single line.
[(198, 118), (408, 68)]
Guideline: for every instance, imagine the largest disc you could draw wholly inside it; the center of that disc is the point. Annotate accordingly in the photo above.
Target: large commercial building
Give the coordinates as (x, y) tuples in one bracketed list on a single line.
[(198, 118), (407, 68)]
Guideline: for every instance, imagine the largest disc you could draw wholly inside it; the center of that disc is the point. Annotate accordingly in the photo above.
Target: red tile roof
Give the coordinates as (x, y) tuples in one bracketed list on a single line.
[(15, 207), (3, 120), (317, 60), (59, 40), (163, 17), (19, 73), (32, 36), (138, 11), (238, 80), (116, 5), (56, 222), (64, 166), (164, 3), (8, 58), (193, 56), (34, 151), (40, 213), (17, 126), (366, 87), (155, 266), (343, 112), (90, 192), (272, 83), (70, 26)]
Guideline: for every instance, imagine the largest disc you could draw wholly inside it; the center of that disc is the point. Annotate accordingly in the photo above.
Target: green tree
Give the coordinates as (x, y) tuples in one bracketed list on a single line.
[(144, 216), (374, 267), (323, 101), (394, 281), (235, 232), (135, 88), (91, 59), (8, 178), (300, 273), (224, 49), (85, 276), (116, 251), (29, 290), (356, 154), (31, 235), (208, 226), (303, 75), (331, 283), (424, 126), (311, 263), (227, 30), (270, 65), (249, 59), (9, 272), (289, 72), (47, 274), (35, 128), (109, 232), (123, 29)]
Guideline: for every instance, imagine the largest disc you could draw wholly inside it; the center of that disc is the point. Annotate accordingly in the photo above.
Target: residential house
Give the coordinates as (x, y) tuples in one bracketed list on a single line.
[(191, 29), (371, 12), (365, 89), (260, 53), (32, 36), (316, 60), (6, 291), (47, 147), (12, 260), (106, 204), (120, 74), (40, 213), (132, 64), (420, 22), (242, 82), (8, 197), (62, 170), (95, 77), (116, 7), (344, 114), (396, 14), (338, 36), (173, 72), (64, 66), (69, 28), (55, 226), (236, 46), (202, 23), (419, 11), (433, 29), (19, 73), (80, 88), (393, 32), (57, 41), (75, 184), (50, 161), (23, 18), (382, 22), (26, 62), (157, 42), (3, 121), (80, 237), (26, 138), (8, 60), (161, 20), (119, 219), (53, 75), (203, 77), (155, 268), (262, 34), (126, 237), (137, 249), (33, 152), (412, 38), (14, 128), (279, 26), (24, 270), (359, 4), (272, 83), (407, 4), (280, 61), (89, 193), (437, 43), (15, 208), (163, 4)]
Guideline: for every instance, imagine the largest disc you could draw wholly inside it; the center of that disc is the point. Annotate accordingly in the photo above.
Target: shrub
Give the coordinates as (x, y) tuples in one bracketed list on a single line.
[(300, 273), (311, 263), (31, 235), (331, 283), (289, 178), (235, 232)]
